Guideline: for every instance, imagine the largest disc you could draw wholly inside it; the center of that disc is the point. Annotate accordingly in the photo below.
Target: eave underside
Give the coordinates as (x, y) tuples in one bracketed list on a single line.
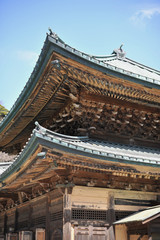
[(48, 168), (73, 99)]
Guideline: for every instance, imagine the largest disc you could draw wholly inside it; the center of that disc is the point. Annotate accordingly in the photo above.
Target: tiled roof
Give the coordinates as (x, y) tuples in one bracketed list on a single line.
[(109, 65), (141, 216), (116, 150), (105, 149), (120, 65), (131, 67), (86, 147), (4, 166)]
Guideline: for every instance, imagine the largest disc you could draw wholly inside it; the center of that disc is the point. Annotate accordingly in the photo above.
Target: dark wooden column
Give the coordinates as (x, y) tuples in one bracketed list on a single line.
[(48, 204), (16, 220), (5, 223), (30, 221)]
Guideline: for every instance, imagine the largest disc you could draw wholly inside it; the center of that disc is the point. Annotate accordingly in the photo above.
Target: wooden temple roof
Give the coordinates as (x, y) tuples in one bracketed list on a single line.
[(47, 152), (44, 141), (73, 93), (131, 67), (4, 166), (50, 160)]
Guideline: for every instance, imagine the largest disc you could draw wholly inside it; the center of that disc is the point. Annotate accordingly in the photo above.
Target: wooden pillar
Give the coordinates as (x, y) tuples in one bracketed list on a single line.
[(67, 216), (5, 223), (20, 197), (48, 204), (16, 221), (90, 232), (121, 232), (30, 217), (72, 232), (111, 216)]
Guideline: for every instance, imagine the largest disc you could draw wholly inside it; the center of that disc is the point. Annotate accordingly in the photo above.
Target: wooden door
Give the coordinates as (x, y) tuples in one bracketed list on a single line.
[(40, 234), (90, 233)]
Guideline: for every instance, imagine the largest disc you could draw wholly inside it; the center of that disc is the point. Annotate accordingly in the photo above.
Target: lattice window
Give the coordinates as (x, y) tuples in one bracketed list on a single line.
[(88, 214), (56, 216), (39, 220)]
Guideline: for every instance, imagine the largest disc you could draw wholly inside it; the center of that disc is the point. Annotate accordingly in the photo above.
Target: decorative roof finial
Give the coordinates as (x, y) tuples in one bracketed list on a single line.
[(120, 53), (121, 47), (52, 34), (50, 31)]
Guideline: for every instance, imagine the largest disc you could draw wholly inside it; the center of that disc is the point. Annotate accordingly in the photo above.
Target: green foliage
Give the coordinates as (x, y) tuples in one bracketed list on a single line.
[(3, 111)]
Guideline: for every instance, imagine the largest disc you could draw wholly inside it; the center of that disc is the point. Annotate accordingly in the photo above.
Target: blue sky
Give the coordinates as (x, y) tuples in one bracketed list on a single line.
[(92, 26)]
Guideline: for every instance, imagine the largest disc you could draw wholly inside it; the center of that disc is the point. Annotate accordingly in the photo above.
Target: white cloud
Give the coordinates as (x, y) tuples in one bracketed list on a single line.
[(27, 56), (141, 16)]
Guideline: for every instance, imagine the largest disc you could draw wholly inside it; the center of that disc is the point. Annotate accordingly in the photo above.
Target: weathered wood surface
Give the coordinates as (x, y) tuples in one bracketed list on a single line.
[(55, 90)]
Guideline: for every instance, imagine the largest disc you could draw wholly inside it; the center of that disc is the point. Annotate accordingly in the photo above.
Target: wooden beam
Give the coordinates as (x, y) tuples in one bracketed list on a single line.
[(13, 196), (20, 197), (118, 102)]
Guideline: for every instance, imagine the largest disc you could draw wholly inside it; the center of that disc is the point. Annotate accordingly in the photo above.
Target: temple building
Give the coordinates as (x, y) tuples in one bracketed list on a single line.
[(85, 136)]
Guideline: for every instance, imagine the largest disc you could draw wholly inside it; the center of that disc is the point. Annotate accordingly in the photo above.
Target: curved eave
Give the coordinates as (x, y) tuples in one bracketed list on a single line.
[(68, 145), (53, 45), (99, 65), (56, 45), (30, 85)]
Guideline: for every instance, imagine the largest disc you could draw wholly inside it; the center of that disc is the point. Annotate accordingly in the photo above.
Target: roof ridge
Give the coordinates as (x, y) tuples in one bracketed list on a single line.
[(146, 67), (114, 57)]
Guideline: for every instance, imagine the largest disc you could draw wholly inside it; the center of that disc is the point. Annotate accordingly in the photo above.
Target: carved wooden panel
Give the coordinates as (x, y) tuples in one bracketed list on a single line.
[(99, 116), (90, 233)]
